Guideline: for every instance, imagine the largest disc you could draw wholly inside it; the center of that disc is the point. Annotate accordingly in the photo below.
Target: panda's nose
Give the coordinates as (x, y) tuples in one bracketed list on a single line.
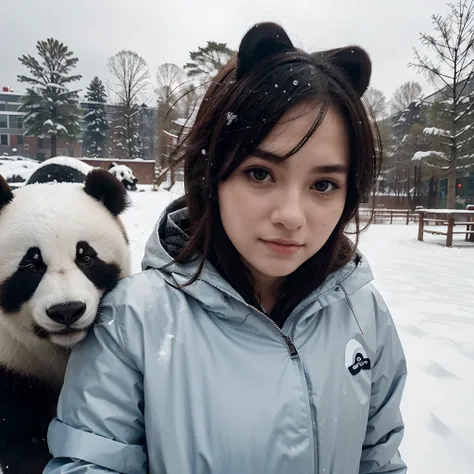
[(66, 313)]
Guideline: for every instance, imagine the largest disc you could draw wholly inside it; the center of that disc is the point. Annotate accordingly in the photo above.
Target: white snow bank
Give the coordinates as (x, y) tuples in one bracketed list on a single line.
[(23, 169), (16, 158), (428, 289)]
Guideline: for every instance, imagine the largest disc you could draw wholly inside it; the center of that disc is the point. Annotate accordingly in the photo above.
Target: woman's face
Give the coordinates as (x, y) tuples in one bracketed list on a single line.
[(279, 215)]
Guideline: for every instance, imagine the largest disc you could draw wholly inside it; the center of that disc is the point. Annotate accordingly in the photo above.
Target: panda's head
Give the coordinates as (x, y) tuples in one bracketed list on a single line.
[(125, 175), (62, 246)]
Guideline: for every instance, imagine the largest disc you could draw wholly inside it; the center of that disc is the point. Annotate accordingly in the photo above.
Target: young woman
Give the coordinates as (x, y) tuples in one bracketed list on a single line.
[(253, 341)]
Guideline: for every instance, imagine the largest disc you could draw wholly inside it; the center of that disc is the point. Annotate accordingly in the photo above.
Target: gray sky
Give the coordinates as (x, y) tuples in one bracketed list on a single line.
[(166, 30)]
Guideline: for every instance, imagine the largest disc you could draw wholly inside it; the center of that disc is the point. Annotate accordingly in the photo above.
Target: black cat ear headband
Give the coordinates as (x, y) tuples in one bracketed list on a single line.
[(266, 39)]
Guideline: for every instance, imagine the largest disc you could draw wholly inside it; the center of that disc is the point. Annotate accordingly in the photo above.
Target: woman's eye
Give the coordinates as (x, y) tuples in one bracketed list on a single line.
[(324, 186), (258, 174)]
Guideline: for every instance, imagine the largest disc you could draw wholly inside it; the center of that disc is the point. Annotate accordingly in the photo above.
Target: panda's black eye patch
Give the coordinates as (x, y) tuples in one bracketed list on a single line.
[(85, 254), (19, 288), (103, 275)]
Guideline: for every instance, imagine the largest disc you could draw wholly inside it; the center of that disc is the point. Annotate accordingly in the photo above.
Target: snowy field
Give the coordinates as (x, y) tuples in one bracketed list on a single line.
[(430, 291)]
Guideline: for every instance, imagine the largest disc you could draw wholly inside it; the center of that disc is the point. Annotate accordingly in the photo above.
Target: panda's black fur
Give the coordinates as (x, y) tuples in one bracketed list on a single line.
[(56, 172), (29, 391), (27, 406)]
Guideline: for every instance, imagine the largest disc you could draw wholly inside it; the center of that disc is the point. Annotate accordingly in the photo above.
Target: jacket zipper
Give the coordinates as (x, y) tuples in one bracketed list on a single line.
[(294, 355), (288, 341)]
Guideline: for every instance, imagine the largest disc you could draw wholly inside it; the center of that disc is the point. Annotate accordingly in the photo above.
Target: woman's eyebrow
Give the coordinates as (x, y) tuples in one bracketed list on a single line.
[(333, 168)]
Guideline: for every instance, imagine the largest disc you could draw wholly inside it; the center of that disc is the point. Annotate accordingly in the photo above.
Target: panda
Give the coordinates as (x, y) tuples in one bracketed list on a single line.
[(62, 247), (63, 169), (125, 175)]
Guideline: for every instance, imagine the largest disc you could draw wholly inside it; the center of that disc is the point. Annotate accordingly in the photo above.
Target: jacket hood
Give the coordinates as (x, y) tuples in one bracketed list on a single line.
[(211, 290)]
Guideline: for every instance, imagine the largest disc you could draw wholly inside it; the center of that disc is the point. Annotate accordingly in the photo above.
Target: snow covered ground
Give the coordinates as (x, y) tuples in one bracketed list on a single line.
[(430, 291)]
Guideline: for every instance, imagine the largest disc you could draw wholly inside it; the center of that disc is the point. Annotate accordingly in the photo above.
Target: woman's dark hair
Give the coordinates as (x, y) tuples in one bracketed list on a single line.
[(241, 106)]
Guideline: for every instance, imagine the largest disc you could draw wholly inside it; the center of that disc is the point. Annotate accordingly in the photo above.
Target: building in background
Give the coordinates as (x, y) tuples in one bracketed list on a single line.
[(13, 140)]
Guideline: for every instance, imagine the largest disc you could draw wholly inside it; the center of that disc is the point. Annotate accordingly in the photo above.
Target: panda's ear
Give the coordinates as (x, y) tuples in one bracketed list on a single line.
[(6, 195), (106, 188), (354, 61), (261, 41)]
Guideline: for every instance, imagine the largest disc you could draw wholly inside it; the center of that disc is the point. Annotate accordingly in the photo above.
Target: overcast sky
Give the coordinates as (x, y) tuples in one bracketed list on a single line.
[(166, 30)]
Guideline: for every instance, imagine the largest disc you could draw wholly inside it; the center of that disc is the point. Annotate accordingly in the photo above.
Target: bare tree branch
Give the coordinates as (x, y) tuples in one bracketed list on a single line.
[(133, 80)]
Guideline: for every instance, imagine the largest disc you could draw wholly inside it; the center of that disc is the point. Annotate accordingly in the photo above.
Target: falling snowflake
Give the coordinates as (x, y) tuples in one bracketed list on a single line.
[(230, 117), (295, 82), (203, 151)]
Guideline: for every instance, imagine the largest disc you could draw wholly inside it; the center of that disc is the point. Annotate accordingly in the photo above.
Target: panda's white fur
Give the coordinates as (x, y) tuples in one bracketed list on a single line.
[(61, 220), (54, 218)]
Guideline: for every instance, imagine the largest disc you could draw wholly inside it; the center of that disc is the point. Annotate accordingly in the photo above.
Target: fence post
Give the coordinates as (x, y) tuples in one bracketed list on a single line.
[(449, 237), (408, 216), (421, 221), (470, 237)]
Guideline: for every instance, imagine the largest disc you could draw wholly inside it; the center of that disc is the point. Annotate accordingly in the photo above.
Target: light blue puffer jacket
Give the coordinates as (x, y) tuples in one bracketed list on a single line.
[(198, 382)]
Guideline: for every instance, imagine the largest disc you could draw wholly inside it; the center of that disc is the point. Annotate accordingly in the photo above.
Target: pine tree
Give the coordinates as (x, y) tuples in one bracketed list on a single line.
[(97, 125), (207, 60), (126, 133), (51, 109)]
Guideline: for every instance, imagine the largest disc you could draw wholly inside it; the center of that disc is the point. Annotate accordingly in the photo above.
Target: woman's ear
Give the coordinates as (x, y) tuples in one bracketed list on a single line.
[(356, 63), (261, 41)]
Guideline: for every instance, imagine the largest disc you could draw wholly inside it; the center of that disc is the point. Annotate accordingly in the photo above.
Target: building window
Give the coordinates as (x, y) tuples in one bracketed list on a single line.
[(4, 140), (19, 139), (16, 121), (3, 121), (13, 107), (3, 106), (40, 143)]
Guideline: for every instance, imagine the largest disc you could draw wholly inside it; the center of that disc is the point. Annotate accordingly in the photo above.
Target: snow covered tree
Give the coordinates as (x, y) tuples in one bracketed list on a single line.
[(452, 72), (401, 175), (51, 109), (207, 60), (95, 118), (133, 80), (126, 133), (404, 95)]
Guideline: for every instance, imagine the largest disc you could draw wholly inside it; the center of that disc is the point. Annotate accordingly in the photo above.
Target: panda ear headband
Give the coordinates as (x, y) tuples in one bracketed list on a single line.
[(267, 39)]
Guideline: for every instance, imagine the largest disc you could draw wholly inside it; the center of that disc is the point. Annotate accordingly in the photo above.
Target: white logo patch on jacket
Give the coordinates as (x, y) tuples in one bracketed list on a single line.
[(356, 358)]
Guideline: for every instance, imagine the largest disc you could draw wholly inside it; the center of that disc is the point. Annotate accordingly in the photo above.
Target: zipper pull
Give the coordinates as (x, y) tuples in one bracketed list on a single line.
[(291, 346)]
